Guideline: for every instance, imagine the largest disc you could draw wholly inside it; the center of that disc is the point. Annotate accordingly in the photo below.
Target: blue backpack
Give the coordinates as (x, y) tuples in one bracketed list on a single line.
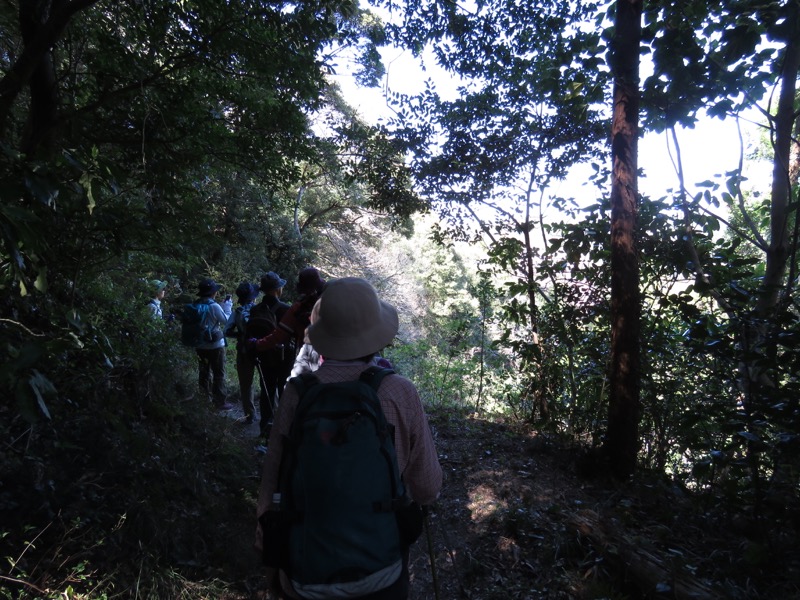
[(195, 327), (341, 527)]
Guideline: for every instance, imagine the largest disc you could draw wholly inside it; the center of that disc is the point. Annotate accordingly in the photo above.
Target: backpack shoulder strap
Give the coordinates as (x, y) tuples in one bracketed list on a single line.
[(205, 311), (303, 383), (374, 375)]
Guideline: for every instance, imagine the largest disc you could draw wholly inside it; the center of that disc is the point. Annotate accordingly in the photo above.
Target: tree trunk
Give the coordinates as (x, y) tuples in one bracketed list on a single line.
[(760, 383), (780, 195), (622, 436), (655, 573), (42, 23), (39, 129)]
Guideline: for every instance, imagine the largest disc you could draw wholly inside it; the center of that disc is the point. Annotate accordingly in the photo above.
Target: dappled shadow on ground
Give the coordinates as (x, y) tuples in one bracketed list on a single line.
[(159, 502), (491, 530), (514, 521)]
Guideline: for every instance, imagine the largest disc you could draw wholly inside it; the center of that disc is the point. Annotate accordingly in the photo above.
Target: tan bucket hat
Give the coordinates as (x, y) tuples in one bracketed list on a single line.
[(353, 322)]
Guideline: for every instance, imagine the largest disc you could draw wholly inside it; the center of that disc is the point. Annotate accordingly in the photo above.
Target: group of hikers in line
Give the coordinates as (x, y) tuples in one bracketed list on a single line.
[(350, 458), (275, 357)]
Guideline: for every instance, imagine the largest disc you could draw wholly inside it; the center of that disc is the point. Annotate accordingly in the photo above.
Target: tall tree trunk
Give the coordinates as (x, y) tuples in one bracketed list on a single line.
[(39, 129), (760, 383), (538, 388), (622, 436), (780, 194)]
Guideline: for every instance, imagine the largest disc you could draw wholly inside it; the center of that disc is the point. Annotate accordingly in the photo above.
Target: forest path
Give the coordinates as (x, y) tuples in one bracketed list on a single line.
[(490, 534), (504, 527), (492, 531)]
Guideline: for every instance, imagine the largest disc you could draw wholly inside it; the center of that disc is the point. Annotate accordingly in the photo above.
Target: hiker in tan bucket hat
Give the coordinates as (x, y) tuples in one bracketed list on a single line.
[(353, 325)]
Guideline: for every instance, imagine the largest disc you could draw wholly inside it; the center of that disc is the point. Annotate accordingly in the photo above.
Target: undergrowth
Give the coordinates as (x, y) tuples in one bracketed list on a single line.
[(131, 487)]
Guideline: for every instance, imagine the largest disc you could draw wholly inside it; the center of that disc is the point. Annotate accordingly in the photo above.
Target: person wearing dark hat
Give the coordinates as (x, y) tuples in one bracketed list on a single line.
[(274, 363), (245, 366), (309, 282), (353, 325), (158, 289), (293, 323), (211, 354)]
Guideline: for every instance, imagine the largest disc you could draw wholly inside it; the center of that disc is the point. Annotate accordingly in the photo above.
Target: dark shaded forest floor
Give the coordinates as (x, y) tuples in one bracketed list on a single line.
[(515, 521)]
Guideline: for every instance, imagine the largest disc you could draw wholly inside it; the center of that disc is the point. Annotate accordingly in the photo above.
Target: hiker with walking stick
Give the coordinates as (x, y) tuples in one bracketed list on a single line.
[(274, 364)]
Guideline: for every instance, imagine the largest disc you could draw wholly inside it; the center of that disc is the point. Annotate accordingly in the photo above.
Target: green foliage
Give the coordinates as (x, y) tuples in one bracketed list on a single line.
[(163, 113), (717, 291), (201, 138), (527, 105), (94, 480), (183, 131), (706, 434), (530, 87), (708, 56)]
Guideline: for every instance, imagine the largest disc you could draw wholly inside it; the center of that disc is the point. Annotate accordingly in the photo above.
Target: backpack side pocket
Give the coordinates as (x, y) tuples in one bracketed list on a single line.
[(410, 521), (275, 526)]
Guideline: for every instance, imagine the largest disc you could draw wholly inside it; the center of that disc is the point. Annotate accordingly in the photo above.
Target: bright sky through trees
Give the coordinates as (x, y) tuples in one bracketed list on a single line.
[(708, 150)]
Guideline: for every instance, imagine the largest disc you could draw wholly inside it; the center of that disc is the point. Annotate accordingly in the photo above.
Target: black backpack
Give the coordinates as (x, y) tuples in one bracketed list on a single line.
[(344, 519), (261, 322), (238, 328)]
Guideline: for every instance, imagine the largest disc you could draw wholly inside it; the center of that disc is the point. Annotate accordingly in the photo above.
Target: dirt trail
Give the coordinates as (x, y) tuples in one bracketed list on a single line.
[(504, 526), (490, 531)]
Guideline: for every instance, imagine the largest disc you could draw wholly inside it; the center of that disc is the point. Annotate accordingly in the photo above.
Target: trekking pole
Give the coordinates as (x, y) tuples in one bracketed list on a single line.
[(257, 361), (263, 384), (430, 552)]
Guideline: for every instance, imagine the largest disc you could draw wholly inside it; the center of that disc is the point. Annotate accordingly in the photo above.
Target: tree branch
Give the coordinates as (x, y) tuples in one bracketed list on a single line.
[(43, 40)]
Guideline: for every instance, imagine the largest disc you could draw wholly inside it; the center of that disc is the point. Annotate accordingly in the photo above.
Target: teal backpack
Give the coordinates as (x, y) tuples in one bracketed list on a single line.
[(340, 527)]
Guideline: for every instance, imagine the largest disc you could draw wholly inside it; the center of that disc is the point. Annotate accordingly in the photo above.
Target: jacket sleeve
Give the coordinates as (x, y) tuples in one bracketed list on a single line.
[(423, 474), (219, 315), (416, 450)]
